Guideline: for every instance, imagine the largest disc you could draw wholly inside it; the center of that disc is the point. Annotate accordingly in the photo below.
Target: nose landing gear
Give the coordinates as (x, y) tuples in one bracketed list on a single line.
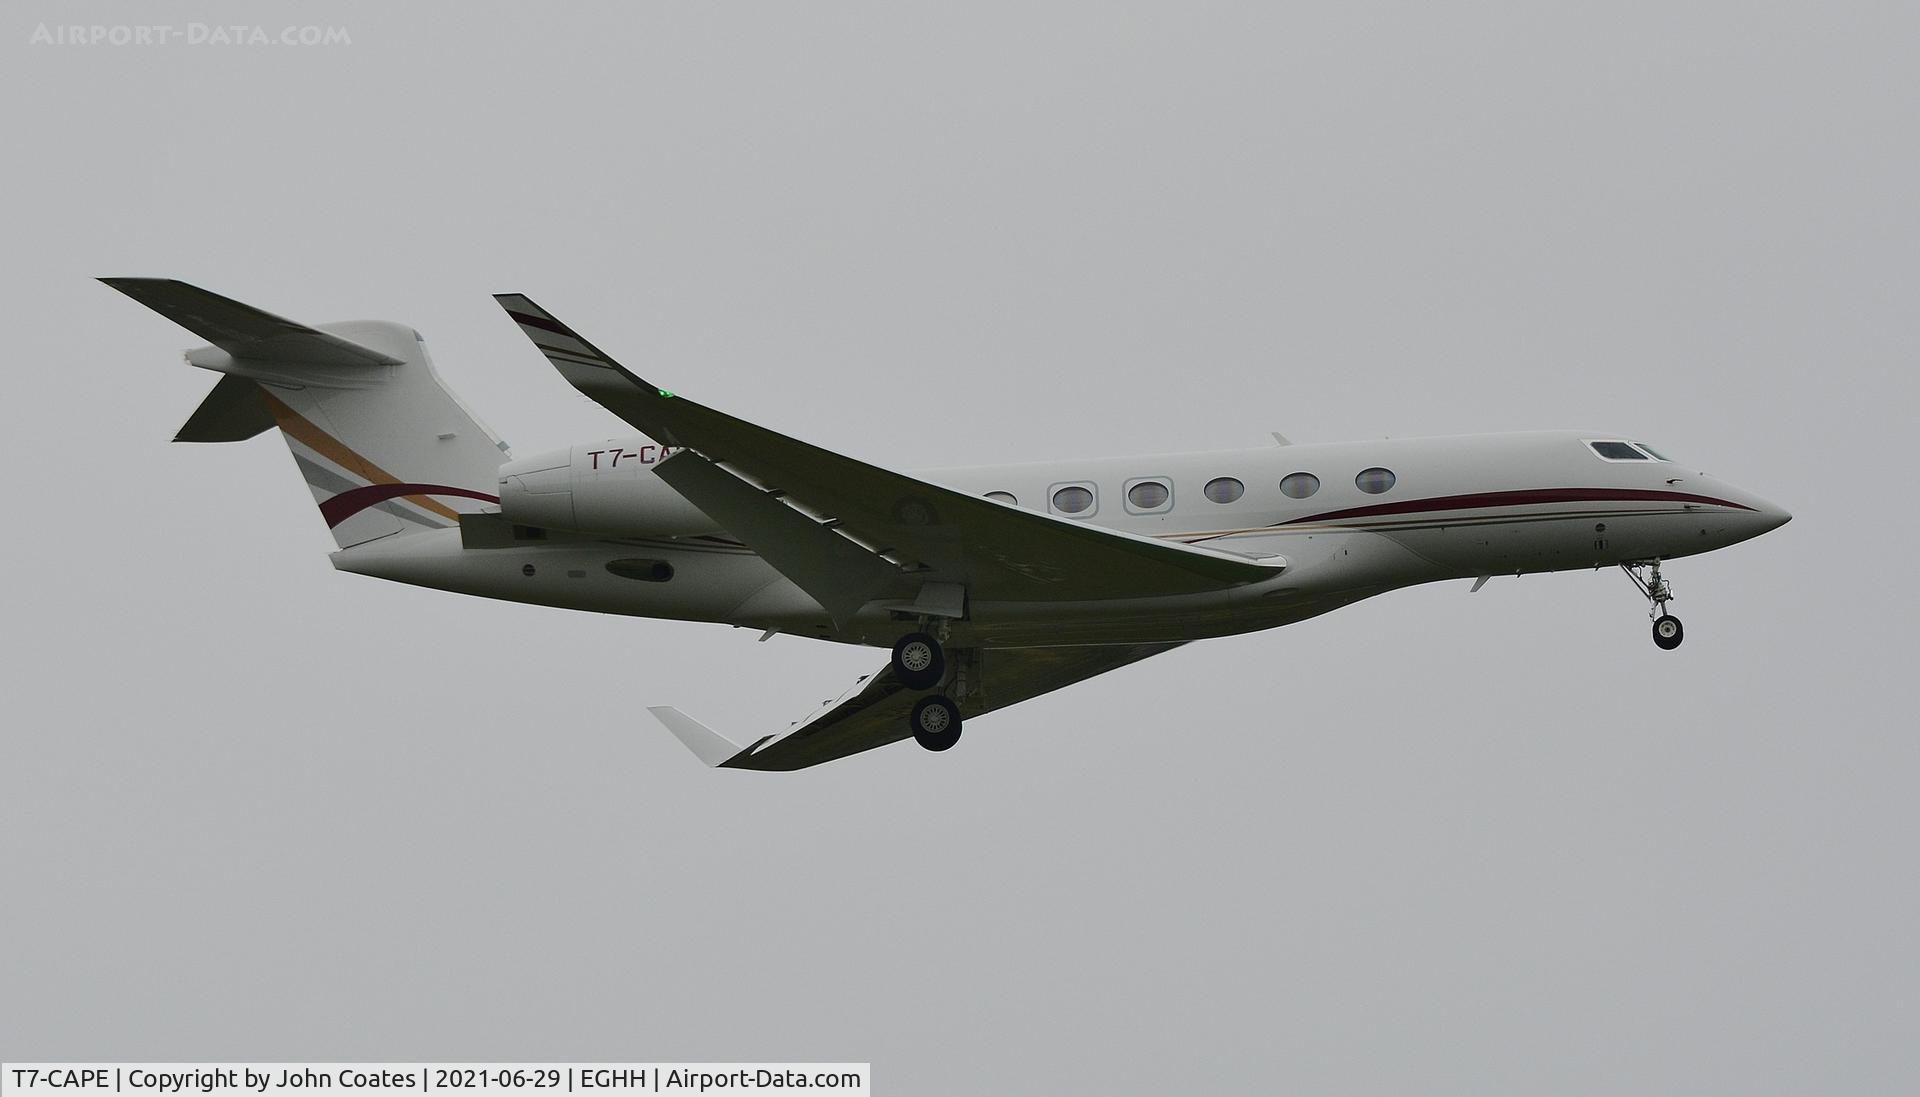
[(1667, 632)]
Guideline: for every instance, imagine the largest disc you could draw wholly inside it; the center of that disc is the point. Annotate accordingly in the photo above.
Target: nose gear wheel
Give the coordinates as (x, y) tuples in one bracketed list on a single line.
[(1645, 574)]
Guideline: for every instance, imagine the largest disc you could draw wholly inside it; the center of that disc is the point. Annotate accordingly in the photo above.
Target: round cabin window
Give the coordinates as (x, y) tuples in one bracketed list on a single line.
[(1299, 485), (1225, 489), (1373, 481), (1072, 499), (1148, 495)]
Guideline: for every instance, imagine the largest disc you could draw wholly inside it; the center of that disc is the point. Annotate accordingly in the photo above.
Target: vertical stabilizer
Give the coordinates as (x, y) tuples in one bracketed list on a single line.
[(383, 445)]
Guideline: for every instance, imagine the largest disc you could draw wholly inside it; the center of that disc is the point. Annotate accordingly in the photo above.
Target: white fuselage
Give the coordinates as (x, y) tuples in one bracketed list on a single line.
[(590, 528)]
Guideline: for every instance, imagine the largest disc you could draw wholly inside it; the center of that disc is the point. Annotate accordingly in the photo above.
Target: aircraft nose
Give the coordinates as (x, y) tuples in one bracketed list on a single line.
[(1770, 516), (1749, 517), (1765, 517)]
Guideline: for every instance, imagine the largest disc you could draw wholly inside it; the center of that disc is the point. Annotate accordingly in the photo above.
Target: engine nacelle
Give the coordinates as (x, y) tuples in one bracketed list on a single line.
[(607, 488)]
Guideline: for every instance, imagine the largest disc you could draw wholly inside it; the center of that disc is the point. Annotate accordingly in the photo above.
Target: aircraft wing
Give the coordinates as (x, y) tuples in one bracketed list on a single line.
[(874, 712), (873, 531)]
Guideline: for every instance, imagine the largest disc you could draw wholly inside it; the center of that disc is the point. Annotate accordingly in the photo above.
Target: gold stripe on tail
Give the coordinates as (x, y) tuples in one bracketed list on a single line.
[(295, 425)]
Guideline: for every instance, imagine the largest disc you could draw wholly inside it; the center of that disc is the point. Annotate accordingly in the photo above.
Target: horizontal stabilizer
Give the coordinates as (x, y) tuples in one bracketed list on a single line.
[(232, 412), (242, 330)]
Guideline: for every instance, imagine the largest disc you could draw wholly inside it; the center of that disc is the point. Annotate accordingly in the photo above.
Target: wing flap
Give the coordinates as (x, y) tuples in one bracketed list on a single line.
[(840, 575)]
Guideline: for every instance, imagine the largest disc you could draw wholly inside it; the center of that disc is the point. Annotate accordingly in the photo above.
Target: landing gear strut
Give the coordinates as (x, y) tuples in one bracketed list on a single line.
[(1667, 632)]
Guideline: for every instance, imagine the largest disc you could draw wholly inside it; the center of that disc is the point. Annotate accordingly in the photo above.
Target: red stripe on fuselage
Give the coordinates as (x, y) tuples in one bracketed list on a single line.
[(349, 503), (1531, 497)]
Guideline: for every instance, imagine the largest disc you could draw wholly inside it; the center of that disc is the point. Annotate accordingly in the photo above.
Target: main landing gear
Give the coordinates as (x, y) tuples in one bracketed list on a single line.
[(1667, 632), (920, 663), (935, 722)]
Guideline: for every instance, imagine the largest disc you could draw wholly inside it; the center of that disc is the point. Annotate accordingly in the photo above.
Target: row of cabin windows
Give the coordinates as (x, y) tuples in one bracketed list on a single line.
[(1154, 495)]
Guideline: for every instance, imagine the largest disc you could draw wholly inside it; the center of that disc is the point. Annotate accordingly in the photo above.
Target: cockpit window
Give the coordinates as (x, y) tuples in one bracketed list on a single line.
[(1653, 453), (1617, 451)]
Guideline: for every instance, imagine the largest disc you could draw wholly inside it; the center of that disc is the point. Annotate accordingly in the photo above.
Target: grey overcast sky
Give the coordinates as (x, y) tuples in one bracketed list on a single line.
[(252, 809)]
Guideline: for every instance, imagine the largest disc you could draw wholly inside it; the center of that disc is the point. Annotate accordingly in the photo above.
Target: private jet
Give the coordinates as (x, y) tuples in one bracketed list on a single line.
[(989, 584)]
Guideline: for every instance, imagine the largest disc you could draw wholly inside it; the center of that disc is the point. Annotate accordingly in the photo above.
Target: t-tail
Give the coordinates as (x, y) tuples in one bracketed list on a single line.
[(383, 444)]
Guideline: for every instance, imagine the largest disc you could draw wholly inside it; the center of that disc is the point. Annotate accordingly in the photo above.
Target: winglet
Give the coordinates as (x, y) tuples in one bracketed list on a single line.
[(560, 343), (708, 745), (592, 370)]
